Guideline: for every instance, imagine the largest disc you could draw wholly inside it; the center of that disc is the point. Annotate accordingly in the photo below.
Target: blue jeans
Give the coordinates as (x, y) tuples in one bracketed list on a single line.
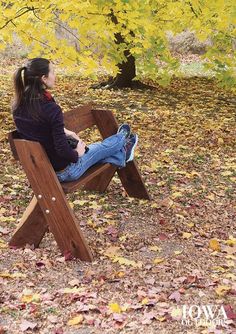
[(110, 150)]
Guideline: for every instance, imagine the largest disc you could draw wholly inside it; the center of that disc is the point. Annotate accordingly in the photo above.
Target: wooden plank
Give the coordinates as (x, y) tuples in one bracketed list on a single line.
[(101, 182), (31, 228), (52, 201), (11, 136), (132, 181), (130, 176), (79, 119), (86, 177), (106, 122)]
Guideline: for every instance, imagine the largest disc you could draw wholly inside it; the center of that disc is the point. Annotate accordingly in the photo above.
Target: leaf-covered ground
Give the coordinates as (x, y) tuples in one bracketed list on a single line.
[(151, 258)]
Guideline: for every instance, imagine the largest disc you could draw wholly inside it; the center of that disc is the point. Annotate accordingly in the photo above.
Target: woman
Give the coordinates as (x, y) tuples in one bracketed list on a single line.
[(39, 118)]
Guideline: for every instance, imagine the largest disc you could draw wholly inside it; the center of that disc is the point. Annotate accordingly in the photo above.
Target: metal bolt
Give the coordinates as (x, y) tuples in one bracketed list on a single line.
[(47, 211), (53, 199), (39, 196)]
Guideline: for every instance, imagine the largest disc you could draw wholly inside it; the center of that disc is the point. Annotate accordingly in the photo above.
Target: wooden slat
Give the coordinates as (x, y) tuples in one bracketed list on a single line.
[(60, 216), (101, 182), (31, 228), (86, 177), (106, 122), (79, 119)]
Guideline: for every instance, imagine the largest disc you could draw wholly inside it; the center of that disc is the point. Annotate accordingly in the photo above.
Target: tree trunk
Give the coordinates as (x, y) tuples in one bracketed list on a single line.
[(127, 68)]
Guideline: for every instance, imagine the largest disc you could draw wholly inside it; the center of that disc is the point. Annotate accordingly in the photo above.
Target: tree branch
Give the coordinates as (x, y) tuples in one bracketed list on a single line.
[(17, 16)]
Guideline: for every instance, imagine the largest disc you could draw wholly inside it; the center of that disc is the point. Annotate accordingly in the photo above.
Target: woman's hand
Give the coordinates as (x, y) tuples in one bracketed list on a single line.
[(71, 133), (80, 148)]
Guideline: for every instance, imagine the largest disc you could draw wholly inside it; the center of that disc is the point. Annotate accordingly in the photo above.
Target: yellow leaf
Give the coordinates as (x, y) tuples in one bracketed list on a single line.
[(231, 276), (115, 307), (125, 307), (79, 202), (190, 224), (221, 290), (231, 264), (154, 248), (144, 301), (76, 320), (30, 298), (178, 252), (3, 244), (18, 275), (158, 260), (123, 237), (227, 173), (218, 269), (211, 197), (214, 245), (94, 205), (8, 219), (127, 262), (91, 223), (176, 194), (120, 274), (176, 312), (230, 257), (5, 274), (220, 141), (72, 290), (231, 241), (112, 251), (71, 204), (186, 235)]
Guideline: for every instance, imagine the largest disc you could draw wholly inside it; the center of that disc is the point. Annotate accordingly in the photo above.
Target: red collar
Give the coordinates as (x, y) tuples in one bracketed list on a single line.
[(47, 95)]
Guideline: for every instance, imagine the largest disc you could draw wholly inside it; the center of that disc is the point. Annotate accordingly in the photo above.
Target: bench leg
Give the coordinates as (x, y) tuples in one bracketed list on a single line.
[(32, 227), (132, 181), (101, 182)]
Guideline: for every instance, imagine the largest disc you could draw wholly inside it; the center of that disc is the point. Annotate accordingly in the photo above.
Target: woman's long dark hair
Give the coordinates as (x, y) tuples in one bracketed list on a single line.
[(29, 88)]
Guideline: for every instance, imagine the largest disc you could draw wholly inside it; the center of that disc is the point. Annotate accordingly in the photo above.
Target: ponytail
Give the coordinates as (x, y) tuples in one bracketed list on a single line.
[(19, 87)]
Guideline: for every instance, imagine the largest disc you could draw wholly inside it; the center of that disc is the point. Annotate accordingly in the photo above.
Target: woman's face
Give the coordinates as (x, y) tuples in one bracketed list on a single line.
[(49, 80)]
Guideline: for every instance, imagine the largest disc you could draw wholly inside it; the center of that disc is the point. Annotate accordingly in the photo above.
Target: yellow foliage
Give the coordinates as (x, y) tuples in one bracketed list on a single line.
[(143, 24)]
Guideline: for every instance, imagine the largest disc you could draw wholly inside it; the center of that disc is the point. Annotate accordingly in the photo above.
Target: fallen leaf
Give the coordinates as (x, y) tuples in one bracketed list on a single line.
[(186, 235), (178, 252), (231, 241), (112, 251), (175, 296), (154, 248), (214, 245), (148, 317), (25, 325), (163, 236), (126, 262), (158, 260), (222, 290), (114, 308), (76, 320)]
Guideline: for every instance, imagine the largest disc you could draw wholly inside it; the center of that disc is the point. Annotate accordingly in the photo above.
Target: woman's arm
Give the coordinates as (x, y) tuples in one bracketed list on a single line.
[(71, 133)]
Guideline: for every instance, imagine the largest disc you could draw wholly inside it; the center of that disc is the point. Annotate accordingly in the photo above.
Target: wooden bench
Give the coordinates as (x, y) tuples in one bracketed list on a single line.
[(49, 207)]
